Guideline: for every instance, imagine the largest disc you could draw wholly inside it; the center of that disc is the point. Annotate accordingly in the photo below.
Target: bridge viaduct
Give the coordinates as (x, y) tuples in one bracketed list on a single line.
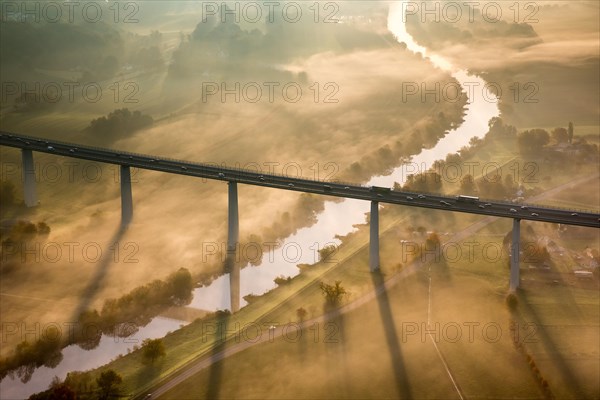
[(375, 195)]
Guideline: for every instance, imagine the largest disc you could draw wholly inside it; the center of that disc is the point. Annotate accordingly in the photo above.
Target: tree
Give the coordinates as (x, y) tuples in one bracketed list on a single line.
[(560, 135), (333, 293), (326, 252), (570, 132), (428, 182), (56, 391), (495, 124), (155, 37), (7, 193), (432, 241), (467, 184), (532, 141), (108, 383), (182, 284), (88, 337), (282, 280), (118, 124), (80, 382), (43, 229), (492, 188), (499, 129), (254, 257), (509, 184), (152, 349), (301, 314)]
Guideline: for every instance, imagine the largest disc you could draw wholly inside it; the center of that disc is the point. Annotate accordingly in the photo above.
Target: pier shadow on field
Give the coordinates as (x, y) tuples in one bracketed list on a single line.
[(569, 377), (391, 335), (102, 269)]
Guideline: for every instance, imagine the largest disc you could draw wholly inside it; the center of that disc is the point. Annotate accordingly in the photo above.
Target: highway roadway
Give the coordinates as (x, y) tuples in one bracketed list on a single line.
[(370, 193)]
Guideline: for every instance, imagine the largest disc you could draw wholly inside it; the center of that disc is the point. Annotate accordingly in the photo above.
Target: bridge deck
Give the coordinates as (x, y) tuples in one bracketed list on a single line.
[(345, 190)]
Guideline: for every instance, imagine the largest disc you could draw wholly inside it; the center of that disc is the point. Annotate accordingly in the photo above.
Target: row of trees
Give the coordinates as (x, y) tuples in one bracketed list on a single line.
[(20, 235), (380, 161), (118, 124), (99, 54), (120, 317), (532, 141), (216, 45), (24, 231), (426, 182), (79, 385)]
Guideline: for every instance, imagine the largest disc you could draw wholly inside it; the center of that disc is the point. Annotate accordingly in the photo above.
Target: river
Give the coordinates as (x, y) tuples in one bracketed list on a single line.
[(338, 218)]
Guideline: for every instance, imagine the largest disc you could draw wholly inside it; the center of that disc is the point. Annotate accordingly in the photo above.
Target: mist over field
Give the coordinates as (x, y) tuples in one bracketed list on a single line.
[(540, 44), (317, 90), (302, 138)]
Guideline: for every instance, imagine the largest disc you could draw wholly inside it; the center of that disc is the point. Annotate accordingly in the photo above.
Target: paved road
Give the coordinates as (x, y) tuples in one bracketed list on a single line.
[(372, 193)]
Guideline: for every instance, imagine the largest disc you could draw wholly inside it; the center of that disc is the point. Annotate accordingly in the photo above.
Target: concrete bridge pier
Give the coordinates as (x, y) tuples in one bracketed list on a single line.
[(514, 255), (233, 233), (374, 237), (29, 192), (126, 197)]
